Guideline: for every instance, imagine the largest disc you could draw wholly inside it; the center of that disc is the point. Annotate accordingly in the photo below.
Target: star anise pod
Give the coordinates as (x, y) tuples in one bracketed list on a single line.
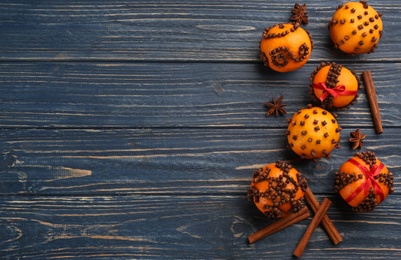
[(300, 14), (356, 139), (276, 106)]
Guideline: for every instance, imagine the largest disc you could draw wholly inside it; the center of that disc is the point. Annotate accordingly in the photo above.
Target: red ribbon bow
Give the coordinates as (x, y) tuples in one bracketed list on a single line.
[(335, 92), (369, 182)]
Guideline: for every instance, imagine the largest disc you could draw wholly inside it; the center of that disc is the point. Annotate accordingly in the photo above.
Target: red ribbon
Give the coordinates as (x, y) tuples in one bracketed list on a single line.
[(369, 182), (335, 92)]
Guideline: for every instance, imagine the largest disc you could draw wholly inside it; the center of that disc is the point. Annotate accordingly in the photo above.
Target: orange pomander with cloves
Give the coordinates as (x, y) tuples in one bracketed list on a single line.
[(285, 47), (313, 133), (364, 182), (334, 86), (277, 189), (356, 28)]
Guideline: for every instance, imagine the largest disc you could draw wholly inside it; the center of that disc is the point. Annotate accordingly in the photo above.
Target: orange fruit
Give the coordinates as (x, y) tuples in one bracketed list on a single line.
[(356, 28), (285, 47), (334, 86), (313, 133), (364, 181), (277, 189)]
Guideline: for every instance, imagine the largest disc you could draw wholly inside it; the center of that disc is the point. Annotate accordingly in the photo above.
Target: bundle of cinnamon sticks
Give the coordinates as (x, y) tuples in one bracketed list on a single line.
[(320, 217)]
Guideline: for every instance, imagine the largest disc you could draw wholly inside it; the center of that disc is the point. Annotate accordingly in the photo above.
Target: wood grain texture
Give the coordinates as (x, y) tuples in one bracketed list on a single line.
[(72, 95), (165, 161), (131, 129), (181, 227), (170, 31)]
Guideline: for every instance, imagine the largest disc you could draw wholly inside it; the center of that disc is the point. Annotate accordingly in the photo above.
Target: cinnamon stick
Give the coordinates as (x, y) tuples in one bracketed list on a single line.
[(280, 224), (372, 98), (298, 251), (326, 222)]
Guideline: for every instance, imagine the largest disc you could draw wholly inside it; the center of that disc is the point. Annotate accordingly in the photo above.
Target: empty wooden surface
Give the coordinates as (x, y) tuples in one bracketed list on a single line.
[(131, 129)]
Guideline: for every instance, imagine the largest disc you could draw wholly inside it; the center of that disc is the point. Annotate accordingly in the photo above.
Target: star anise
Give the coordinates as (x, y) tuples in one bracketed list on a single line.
[(276, 106), (356, 139), (300, 14)]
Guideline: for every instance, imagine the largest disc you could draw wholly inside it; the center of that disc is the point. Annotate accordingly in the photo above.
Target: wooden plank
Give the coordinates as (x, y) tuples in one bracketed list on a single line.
[(168, 31), (182, 227), (93, 95), (164, 161), (131, 130)]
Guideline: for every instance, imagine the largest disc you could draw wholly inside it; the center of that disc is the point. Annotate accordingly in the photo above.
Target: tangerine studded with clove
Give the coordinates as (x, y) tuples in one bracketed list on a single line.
[(285, 47), (356, 28), (313, 133), (364, 181), (277, 189), (334, 86)]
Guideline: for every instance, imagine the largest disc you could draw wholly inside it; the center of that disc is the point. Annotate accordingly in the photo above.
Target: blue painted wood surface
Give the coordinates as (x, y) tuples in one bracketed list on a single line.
[(131, 129)]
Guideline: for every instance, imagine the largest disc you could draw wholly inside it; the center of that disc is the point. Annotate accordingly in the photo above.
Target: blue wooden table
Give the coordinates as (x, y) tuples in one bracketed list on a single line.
[(131, 129)]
